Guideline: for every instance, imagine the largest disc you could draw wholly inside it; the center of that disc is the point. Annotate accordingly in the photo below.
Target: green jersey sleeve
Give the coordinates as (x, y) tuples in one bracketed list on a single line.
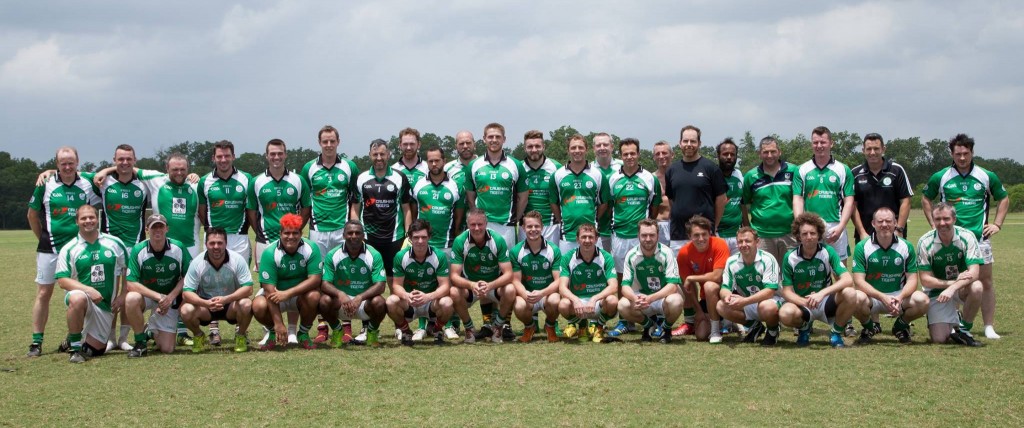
[(268, 269)]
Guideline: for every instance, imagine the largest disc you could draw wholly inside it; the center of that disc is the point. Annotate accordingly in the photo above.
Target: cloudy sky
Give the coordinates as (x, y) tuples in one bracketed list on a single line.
[(98, 74)]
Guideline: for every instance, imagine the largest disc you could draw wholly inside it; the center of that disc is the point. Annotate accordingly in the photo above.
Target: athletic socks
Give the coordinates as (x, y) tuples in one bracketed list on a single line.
[(140, 338), (716, 326), (548, 321), (469, 324), (604, 318), (647, 322), (75, 339), (337, 327), (838, 329), (900, 324), (181, 327), (689, 315), (37, 338), (124, 333), (304, 329), (487, 309), (773, 330), (574, 320), (423, 323)]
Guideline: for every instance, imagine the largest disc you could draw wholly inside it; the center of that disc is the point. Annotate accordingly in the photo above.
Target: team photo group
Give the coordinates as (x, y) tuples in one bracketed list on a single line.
[(575, 251)]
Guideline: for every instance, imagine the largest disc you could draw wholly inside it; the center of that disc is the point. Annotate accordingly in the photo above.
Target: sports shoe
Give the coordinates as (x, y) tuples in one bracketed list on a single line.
[(754, 332), (569, 332), (346, 333), (803, 337), (645, 336), (304, 341), (322, 333), (36, 349), (485, 332), (666, 336), (964, 338), (64, 346), (241, 343), (990, 333), (269, 342), (902, 335), (439, 338), (596, 332), (684, 330), (373, 339), (199, 344), (716, 337), (658, 330), (770, 339), (336, 339), (266, 337), (184, 340), (361, 337), (215, 337), (527, 334), (621, 328), (551, 333), (496, 336), (850, 330), (507, 333), (418, 334), (450, 333), (293, 339), (138, 351), (470, 336), (77, 357), (836, 340), (407, 339), (866, 336), (583, 330)]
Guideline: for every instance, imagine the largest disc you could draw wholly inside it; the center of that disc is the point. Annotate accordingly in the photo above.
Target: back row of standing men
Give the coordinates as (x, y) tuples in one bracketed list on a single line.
[(614, 194)]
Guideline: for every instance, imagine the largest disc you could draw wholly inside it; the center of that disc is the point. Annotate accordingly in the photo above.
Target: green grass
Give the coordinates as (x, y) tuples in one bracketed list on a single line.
[(539, 384)]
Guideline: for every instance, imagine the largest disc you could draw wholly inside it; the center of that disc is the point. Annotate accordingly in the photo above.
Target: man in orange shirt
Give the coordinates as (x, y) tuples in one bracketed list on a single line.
[(701, 263)]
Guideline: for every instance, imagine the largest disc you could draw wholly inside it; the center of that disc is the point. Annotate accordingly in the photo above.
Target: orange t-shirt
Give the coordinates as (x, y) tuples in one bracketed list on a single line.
[(692, 262)]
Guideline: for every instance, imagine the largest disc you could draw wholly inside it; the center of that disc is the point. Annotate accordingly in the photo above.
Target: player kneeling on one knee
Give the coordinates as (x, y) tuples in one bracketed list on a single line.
[(217, 287), (290, 276), (352, 286), (650, 280), (749, 289), (949, 262)]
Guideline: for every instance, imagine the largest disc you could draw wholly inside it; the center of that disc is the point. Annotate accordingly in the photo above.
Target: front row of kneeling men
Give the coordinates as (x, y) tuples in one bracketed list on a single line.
[(748, 288)]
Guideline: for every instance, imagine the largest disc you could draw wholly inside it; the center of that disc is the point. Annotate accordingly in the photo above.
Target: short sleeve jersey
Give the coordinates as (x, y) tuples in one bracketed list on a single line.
[(225, 200), (496, 186), (886, 269), (536, 268), (692, 187), (330, 190), (208, 281), (57, 204), (588, 278), (423, 275), (604, 223), (886, 189), (382, 199), (578, 194), (631, 197), (538, 186), (272, 199), (480, 262), (124, 206), (749, 279), (178, 203), (733, 216), (414, 174), (456, 171), (353, 275), (283, 270), (693, 262), (811, 275), (823, 188), (159, 271), (947, 262), (97, 265), (437, 203), (770, 199), (648, 275), (969, 193)]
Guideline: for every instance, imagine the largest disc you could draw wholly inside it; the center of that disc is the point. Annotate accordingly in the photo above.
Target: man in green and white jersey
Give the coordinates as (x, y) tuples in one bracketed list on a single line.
[(650, 284), (223, 198), (291, 272), (352, 287), (156, 274), (588, 286), (535, 273), (750, 286), (768, 199), (410, 164), (91, 269), (663, 159), (949, 259), (885, 269), (579, 193), (465, 149), (51, 215), (420, 288), (539, 171), (824, 186), (733, 217), (482, 270), (496, 184), (124, 199), (635, 194), (816, 285), (330, 179), (217, 286), (969, 188), (608, 165), (176, 198), (440, 201)]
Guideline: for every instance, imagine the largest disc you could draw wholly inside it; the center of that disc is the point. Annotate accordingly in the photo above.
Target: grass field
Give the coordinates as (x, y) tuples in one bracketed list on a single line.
[(628, 384)]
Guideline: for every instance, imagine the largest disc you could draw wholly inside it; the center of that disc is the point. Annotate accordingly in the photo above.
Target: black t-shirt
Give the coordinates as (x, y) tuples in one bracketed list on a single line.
[(871, 192), (692, 187)]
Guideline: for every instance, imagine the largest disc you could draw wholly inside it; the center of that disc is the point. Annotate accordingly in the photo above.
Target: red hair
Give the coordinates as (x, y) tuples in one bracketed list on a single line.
[(291, 221)]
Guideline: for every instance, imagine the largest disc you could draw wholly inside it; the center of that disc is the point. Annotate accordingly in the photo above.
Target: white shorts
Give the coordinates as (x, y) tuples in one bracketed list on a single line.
[(677, 245), (818, 313), (731, 241), (664, 231), (167, 322), (421, 311), (240, 244), (842, 245), (877, 307), (507, 232), (985, 246), (567, 247), (750, 311), (621, 246), (606, 243), (655, 308), (290, 305), (97, 320), (552, 233), (360, 313), (260, 247), (327, 240), (944, 313), (46, 268), (597, 310)]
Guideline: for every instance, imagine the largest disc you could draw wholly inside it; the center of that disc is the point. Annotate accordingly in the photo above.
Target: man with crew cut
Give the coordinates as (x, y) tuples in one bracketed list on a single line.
[(824, 186), (383, 204), (496, 184), (604, 162), (579, 193), (768, 199)]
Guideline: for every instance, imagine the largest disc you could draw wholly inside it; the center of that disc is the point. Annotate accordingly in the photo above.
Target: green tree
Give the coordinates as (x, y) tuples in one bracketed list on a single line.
[(17, 182)]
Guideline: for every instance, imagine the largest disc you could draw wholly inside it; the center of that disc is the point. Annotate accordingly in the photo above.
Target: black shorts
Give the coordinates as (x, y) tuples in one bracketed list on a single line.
[(221, 315), (387, 251)]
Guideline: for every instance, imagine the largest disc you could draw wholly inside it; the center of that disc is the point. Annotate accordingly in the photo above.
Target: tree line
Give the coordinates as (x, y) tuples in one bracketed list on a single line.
[(919, 159)]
